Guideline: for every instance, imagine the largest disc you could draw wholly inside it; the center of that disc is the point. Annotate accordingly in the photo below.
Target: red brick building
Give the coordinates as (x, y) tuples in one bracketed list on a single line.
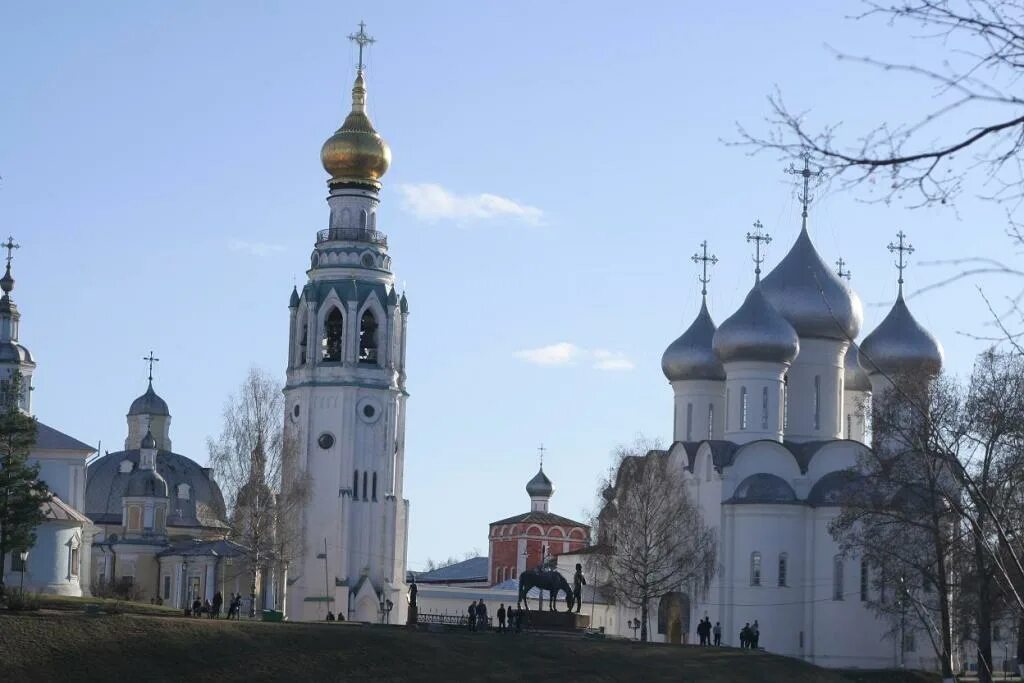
[(525, 541)]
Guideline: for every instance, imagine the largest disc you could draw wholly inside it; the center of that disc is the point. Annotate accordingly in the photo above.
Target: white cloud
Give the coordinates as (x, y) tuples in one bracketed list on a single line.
[(566, 353), (255, 248), (611, 360), (562, 353), (430, 202)]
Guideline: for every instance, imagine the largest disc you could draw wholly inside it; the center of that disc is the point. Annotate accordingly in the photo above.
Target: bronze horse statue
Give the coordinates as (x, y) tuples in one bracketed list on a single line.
[(545, 579)]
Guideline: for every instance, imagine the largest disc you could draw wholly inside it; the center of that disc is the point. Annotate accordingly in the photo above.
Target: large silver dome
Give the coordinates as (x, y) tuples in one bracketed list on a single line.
[(815, 301), (900, 345), (854, 377), (756, 332), (149, 404), (691, 356)]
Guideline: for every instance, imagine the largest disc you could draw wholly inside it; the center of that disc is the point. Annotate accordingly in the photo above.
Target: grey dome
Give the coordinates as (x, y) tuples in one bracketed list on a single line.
[(149, 404), (764, 488), (815, 301), (756, 332), (146, 483), (900, 344), (691, 356), (854, 377), (148, 441), (106, 485), (540, 486), (12, 351)]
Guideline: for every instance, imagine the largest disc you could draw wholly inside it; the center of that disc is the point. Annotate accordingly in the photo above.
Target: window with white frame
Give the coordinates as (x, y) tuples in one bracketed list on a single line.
[(837, 577), (755, 568), (783, 568)]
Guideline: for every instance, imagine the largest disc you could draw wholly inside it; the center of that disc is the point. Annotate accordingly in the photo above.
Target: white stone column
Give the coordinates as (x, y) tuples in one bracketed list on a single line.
[(762, 385), (211, 584)]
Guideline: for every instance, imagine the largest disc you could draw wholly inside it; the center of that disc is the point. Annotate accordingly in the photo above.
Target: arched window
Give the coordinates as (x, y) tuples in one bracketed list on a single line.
[(373, 220), (374, 492), (362, 219), (302, 333), (837, 577), (711, 419), (368, 338), (849, 426), (355, 485), (743, 407), (709, 466), (346, 218), (865, 577), (783, 567), (334, 333), (755, 568), (817, 401), (689, 421), (183, 491), (764, 408), (364, 485), (728, 409)]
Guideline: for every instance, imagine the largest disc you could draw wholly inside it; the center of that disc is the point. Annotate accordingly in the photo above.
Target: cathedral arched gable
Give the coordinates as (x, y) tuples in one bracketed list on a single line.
[(373, 302), (833, 457), (556, 532), (534, 530), (769, 457), (678, 458), (331, 300), (703, 462)]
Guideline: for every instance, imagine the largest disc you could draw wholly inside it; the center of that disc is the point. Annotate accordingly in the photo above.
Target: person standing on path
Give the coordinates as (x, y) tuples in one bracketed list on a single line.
[(718, 634), (472, 616), (501, 618)]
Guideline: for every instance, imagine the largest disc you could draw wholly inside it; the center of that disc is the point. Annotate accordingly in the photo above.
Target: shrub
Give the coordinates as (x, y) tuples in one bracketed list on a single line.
[(20, 601)]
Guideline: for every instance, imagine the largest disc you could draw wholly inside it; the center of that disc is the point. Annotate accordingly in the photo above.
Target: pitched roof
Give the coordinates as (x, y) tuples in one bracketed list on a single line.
[(50, 439), (218, 548), (473, 569), (57, 510), (541, 518)]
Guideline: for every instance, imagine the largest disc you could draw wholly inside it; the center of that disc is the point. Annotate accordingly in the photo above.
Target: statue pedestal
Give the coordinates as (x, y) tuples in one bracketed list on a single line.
[(412, 616), (556, 621)]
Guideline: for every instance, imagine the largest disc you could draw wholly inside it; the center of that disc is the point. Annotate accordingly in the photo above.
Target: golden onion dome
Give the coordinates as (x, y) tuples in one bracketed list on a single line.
[(356, 152)]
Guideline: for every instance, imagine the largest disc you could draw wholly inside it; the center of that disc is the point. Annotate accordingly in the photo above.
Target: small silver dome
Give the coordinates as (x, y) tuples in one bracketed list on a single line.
[(149, 404), (540, 486), (143, 482), (900, 344), (756, 332), (691, 356), (815, 301), (854, 377)]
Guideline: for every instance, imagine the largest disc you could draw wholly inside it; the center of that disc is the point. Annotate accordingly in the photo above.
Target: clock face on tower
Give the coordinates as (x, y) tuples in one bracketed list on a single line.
[(326, 441)]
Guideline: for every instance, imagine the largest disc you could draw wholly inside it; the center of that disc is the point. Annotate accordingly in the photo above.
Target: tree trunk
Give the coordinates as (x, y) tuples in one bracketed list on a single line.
[(946, 623), (984, 617), (643, 620)]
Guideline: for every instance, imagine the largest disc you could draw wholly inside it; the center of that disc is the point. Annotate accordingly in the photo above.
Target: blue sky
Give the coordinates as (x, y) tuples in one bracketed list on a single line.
[(555, 165)]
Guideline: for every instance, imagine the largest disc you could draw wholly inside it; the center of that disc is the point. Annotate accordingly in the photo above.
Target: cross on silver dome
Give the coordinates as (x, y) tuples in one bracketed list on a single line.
[(901, 249), (806, 173), (10, 246), (757, 237), (845, 274), (151, 359), (705, 261)]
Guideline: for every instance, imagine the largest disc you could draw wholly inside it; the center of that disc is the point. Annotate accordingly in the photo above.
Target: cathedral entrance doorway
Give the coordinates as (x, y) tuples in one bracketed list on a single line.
[(674, 617)]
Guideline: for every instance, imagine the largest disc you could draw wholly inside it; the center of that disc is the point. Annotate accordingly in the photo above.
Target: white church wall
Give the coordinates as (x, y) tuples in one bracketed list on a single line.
[(815, 388), (699, 409), (63, 474), (833, 457), (49, 565), (759, 457)]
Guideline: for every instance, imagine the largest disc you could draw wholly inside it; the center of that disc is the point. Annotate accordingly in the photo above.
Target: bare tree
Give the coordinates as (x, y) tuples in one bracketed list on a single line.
[(247, 458), (654, 540)]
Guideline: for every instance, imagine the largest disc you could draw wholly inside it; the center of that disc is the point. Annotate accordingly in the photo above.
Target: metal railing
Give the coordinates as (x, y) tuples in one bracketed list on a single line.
[(352, 235), (447, 619)]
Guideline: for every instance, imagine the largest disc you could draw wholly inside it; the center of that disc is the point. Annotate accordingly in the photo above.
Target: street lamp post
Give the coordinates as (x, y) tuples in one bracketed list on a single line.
[(635, 625), (23, 556)]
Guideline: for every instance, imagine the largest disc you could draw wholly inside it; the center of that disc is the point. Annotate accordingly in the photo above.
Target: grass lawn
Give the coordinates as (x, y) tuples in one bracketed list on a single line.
[(50, 646), (64, 602)]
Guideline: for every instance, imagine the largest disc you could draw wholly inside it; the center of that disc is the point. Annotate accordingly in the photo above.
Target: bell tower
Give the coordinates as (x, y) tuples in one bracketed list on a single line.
[(345, 393)]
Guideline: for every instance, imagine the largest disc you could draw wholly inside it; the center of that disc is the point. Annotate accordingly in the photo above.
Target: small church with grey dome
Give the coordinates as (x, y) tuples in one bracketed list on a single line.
[(768, 419)]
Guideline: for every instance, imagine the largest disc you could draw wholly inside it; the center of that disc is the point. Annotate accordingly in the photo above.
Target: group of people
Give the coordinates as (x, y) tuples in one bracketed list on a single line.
[(508, 618), (212, 609), (749, 635), (705, 631)]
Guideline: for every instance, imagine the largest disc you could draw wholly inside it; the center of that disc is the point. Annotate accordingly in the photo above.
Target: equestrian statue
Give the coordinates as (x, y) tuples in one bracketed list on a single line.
[(544, 579)]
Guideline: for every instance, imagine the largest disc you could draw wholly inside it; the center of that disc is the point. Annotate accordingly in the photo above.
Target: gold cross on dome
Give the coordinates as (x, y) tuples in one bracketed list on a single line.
[(362, 40), (704, 260), (757, 237)]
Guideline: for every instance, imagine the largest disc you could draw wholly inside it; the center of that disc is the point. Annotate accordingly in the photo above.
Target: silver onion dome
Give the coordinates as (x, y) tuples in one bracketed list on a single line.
[(691, 356), (854, 377), (149, 404), (815, 301), (540, 486), (900, 345), (756, 332)]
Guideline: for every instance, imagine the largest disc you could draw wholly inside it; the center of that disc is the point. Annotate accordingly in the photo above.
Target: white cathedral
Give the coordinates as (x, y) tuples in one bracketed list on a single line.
[(769, 413), (345, 396)]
